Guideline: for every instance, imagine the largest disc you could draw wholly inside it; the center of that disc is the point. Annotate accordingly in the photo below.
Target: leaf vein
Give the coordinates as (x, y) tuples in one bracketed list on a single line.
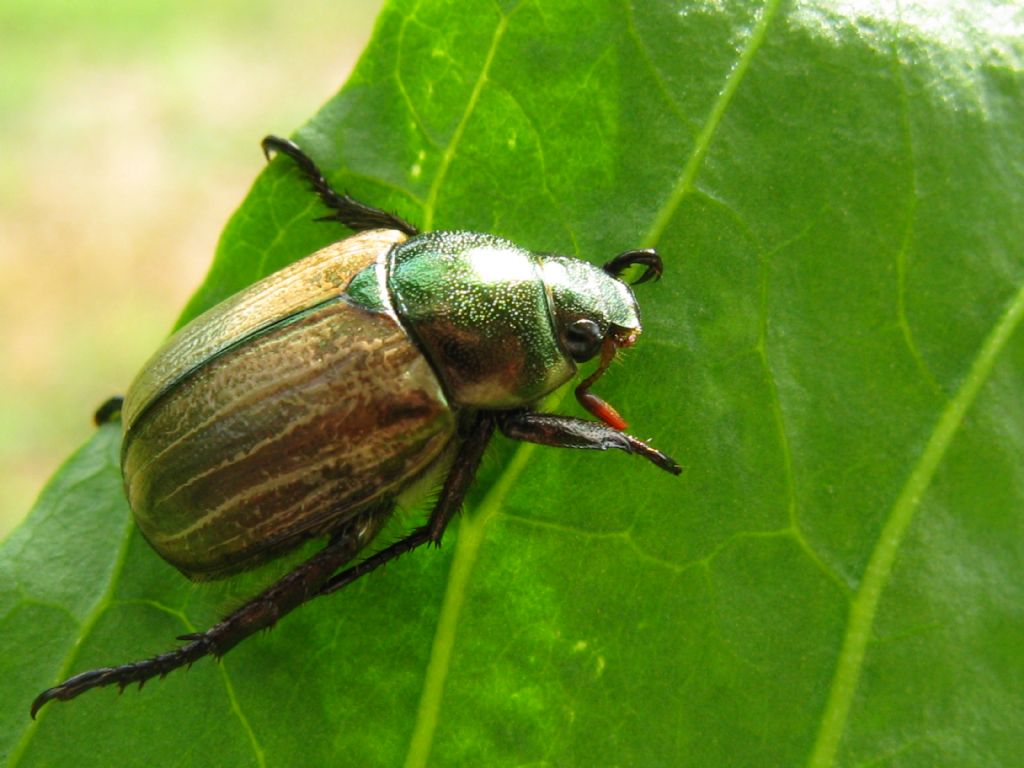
[(86, 628), (556, 204), (400, 83), (625, 536), (470, 528), (190, 628), (449, 153), (864, 606), (645, 54), (909, 225), (685, 181), (467, 547), (785, 449)]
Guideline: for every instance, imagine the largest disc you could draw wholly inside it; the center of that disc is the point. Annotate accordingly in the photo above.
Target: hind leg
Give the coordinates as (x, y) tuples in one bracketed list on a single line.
[(262, 612)]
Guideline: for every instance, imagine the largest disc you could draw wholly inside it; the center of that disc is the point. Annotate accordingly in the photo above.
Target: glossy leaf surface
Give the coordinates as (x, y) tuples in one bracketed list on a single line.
[(833, 355)]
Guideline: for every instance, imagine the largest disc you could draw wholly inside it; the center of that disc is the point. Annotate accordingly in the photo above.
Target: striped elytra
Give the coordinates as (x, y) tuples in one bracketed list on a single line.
[(278, 415)]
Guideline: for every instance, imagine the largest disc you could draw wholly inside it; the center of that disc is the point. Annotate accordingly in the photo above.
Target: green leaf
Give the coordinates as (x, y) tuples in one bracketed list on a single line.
[(833, 355)]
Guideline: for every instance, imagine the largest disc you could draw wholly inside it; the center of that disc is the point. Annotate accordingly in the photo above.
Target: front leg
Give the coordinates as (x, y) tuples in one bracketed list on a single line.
[(569, 432)]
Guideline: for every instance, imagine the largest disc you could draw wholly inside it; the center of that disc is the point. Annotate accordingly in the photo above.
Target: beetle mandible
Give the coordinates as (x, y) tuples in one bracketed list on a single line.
[(308, 403)]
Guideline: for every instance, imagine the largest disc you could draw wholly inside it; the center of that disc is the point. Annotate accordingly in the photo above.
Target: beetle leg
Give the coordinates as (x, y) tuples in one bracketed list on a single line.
[(109, 411), (350, 212), (452, 495), (568, 432), (307, 581), (262, 612)]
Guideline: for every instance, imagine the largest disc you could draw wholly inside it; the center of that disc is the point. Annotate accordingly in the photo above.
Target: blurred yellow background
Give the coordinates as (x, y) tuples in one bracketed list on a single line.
[(129, 132)]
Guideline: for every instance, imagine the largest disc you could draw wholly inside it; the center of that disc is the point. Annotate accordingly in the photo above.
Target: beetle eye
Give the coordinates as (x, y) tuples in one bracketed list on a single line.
[(583, 339)]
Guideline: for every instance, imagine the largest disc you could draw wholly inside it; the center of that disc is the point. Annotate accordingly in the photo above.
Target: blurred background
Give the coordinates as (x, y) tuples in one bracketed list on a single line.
[(129, 133)]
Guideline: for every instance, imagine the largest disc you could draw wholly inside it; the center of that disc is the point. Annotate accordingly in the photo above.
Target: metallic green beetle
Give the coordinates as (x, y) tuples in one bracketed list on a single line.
[(312, 402)]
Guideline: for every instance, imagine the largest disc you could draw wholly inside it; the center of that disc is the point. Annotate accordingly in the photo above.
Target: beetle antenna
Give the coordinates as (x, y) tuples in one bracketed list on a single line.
[(353, 214), (648, 257)]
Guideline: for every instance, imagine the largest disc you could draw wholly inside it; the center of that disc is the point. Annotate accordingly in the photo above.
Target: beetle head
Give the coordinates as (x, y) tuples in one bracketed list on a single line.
[(596, 313)]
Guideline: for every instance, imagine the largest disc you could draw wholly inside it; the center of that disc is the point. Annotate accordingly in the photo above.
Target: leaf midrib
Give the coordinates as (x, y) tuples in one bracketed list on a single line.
[(864, 606), (471, 527), (85, 629)]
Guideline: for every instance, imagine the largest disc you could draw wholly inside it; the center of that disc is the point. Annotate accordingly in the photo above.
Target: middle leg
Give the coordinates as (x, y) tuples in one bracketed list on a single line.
[(448, 504)]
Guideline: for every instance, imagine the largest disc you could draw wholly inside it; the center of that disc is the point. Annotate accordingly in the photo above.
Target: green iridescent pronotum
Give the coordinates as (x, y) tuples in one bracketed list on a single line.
[(316, 400)]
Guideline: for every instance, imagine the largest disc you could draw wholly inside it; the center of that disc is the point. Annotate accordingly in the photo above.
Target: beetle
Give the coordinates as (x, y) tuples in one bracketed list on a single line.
[(313, 402)]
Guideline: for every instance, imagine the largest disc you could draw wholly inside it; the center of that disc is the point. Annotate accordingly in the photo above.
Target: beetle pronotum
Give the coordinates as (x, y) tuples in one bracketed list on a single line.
[(308, 403)]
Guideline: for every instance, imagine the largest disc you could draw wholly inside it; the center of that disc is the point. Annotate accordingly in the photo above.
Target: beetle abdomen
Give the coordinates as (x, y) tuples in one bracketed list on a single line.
[(302, 425)]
